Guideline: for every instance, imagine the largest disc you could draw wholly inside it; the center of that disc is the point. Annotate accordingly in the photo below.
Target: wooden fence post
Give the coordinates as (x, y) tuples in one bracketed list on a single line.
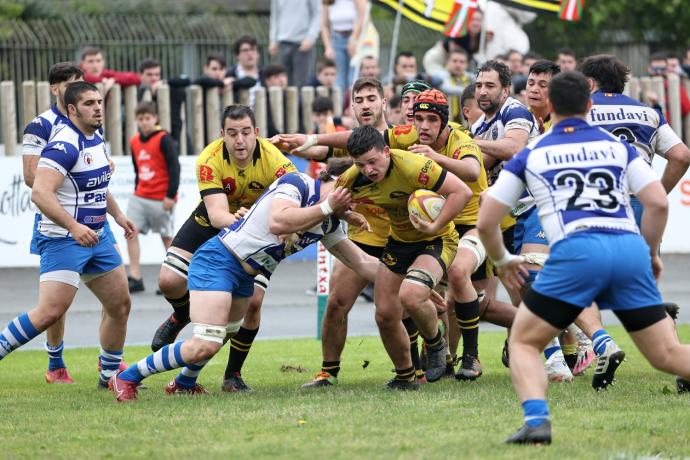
[(307, 100), (113, 119), (29, 99), (275, 97), (260, 111), (292, 114), (212, 113), (8, 114), (197, 119), (163, 102), (130, 116)]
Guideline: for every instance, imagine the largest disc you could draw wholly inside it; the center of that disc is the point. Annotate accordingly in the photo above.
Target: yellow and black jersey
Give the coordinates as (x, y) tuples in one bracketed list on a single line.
[(406, 173), (216, 172), (459, 145)]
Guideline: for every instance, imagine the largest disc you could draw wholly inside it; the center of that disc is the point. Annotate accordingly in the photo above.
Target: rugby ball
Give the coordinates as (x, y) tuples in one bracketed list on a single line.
[(425, 204)]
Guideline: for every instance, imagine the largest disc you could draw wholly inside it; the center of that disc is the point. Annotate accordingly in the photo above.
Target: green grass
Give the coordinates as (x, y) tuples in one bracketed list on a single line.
[(641, 416)]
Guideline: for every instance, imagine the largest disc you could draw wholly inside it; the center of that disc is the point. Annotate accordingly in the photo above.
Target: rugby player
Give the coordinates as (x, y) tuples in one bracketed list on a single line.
[(615, 266)]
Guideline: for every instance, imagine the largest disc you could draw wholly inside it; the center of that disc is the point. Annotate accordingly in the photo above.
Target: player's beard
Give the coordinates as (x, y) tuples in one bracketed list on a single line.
[(492, 107), (376, 119), (95, 125)]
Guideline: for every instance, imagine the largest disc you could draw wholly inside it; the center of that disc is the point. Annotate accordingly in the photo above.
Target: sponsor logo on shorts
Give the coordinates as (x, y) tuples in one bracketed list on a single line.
[(423, 178), (229, 185), (205, 173), (398, 194), (541, 234), (388, 259)]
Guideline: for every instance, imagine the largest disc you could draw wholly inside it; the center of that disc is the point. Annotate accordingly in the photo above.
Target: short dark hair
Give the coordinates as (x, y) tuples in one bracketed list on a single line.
[(545, 66), (363, 139), (363, 82), (244, 40), (395, 102), (504, 75), (216, 57), (531, 55), (75, 90), (462, 51), (566, 51), (569, 93), (237, 112), (322, 104), (271, 70), (407, 54), (658, 56), (467, 94), (148, 63), (146, 107), (513, 51), (324, 64), (64, 71), (90, 51), (608, 71)]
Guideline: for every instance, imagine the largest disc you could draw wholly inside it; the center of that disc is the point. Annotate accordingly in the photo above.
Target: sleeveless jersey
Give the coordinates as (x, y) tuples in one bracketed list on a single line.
[(407, 172), (641, 126), (580, 177), (251, 240), (152, 169), (216, 172), (84, 163)]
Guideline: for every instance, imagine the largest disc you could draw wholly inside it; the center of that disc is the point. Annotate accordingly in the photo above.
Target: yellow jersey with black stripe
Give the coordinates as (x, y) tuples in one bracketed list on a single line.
[(376, 216), (217, 172), (406, 173), (458, 146)]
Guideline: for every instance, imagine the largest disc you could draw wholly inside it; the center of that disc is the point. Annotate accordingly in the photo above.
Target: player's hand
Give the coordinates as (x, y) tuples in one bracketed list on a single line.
[(423, 226), (305, 45), (130, 229), (438, 300), (339, 200), (292, 142), (657, 266), (83, 235), (421, 149), (240, 213), (514, 273), (357, 220), (168, 203)]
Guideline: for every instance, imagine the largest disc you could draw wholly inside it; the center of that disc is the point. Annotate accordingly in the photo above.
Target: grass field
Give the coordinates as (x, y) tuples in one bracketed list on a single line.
[(640, 417)]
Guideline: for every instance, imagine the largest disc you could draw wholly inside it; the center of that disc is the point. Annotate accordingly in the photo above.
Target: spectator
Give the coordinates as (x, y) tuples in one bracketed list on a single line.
[(324, 122), (515, 63), (369, 68), (156, 180), (93, 65), (246, 74), (275, 75), (341, 25), (294, 28), (326, 74), (566, 60), (686, 61), (658, 66), (394, 114), (150, 76), (213, 77), (470, 107), (673, 65), (405, 68), (455, 79), (528, 60), (470, 41)]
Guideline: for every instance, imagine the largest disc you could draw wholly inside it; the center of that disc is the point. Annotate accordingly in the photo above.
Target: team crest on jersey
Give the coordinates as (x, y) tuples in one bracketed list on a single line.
[(389, 259), (229, 185), (256, 186), (144, 155), (494, 132), (88, 159), (456, 154), (205, 173), (401, 130)]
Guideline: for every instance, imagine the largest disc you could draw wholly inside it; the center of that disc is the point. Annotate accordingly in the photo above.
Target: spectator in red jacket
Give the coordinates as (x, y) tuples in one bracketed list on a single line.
[(93, 65), (658, 66)]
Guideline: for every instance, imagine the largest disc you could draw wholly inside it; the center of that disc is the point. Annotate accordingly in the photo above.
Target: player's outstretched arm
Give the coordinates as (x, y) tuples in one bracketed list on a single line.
[(504, 149), (355, 259), (286, 216), (301, 142)]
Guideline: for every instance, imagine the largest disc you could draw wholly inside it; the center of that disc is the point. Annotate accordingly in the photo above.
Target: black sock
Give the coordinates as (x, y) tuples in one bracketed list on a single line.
[(435, 342), (570, 360), (406, 375), (413, 333), (240, 344), (468, 319), (181, 307), (332, 367)]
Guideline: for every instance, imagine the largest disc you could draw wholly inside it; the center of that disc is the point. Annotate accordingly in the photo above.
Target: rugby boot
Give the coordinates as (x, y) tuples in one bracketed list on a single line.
[(403, 385), (682, 385), (532, 434), (167, 332), (585, 358), (59, 375), (556, 368), (174, 388), (122, 389), (321, 380), (235, 383), (435, 361), (470, 368), (607, 364)]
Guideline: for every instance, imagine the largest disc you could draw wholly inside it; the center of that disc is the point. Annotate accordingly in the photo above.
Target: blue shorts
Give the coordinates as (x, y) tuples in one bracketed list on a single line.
[(214, 268), (66, 253), (528, 230), (637, 208), (33, 247), (613, 269)]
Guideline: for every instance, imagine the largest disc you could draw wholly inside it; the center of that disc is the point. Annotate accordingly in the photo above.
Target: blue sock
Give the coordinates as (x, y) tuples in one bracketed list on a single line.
[(166, 359), (55, 356), (18, 332), (552, 348), (188, 375), (110, 363), (536, 411), (599, 341)]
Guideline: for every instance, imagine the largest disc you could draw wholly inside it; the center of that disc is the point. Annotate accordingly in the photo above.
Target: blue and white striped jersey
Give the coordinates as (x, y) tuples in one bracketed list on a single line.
[(84, 163), (251, 240), (643, 127), (37, 133), (580, 177)]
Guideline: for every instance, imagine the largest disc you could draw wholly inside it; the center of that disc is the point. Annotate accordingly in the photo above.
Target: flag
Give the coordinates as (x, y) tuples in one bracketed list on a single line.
[(432, 14), (460, 17), (570, 10)]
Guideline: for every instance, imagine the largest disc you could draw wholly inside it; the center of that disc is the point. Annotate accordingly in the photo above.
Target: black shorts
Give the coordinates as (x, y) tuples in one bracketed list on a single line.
[(192, 235), (481, 272), (397, 256), (374, 251), (509, 239)]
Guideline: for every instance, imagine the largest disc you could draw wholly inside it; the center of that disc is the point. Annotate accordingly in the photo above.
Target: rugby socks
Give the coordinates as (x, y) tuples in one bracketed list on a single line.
[(406, 375), (599, 340), (110, 363), (536, 412), (188, 375), (181, 307), (570, 354), (166, 359), (240, 344), (55, 356), (332, 367), (18, 332), (435, 342), (413, 333), (553, 347), (468, 319)]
